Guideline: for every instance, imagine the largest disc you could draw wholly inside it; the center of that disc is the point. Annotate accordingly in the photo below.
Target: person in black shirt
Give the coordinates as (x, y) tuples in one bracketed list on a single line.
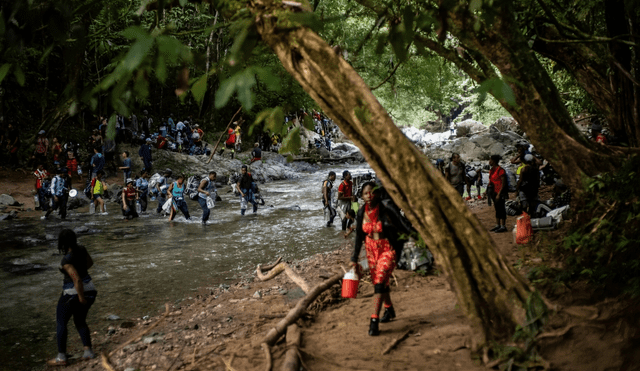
[(78, 295), (246, 186), (256, 153)]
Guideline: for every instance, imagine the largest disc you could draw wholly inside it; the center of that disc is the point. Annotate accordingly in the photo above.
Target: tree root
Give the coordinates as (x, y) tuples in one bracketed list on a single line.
[(267, 353), (279, 268), (274, 334), (292, 358), (395, 342)]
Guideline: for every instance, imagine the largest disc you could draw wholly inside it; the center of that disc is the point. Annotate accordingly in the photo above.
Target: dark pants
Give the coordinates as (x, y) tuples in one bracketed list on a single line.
[(131, 212), (249, 197), (68, 306), (182, 206), (501, 211), (162, 198), (205, 209), (42, 199), (332, 211), (147, 164), (61, 205), (143, 201)]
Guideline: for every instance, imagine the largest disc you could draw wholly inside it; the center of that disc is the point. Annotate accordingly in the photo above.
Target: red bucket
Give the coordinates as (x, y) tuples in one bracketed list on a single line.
[(350, 285)]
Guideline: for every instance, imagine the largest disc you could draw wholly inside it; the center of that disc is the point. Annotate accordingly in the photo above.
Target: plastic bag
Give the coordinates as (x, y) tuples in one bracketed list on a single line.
[(211, 203), (167, 205), (524, 230)]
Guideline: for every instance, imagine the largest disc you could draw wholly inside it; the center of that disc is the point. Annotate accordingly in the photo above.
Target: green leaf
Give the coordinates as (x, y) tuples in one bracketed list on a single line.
[(111, 127), (271, 80), (137, 53), (226, 89), (161, 69), (4, 70), (183, 3), (246, 81), (475, 5), (17, 72), (275, 121), (170, 48), (199, 88), (307, 121), (134, 32), (291, 143)]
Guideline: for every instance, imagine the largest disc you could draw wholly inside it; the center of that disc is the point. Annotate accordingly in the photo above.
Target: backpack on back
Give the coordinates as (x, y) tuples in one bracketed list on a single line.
[(191, 189)]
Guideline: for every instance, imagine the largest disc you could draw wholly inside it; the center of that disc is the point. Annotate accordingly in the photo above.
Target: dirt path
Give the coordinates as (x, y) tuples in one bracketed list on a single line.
[(228, 323)]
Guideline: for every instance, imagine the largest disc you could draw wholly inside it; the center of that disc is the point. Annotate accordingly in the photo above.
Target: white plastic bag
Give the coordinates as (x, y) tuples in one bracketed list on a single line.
[(167, 206), (211, 203)]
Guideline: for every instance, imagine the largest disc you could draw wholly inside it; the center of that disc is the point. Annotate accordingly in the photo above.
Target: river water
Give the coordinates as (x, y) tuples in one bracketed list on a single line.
[(143, 263)]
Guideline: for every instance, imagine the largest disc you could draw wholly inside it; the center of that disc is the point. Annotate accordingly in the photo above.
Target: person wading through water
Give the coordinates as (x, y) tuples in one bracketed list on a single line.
[(345, 197), (327, 185), (207, 188), (379, 225)]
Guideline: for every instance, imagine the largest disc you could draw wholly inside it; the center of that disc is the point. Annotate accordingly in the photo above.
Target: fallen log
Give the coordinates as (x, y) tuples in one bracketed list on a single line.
[(274, 334), (292, 358), (283, 267)]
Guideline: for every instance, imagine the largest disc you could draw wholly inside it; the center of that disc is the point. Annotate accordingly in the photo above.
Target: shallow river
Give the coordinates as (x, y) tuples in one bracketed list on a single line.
[(143, 263)]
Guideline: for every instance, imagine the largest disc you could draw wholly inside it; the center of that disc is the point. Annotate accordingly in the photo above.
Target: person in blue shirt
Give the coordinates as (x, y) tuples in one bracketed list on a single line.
[(171, 125), (207, 188), (142, 186), (126, 165), (97, 161), (145, 153), (176, 193)]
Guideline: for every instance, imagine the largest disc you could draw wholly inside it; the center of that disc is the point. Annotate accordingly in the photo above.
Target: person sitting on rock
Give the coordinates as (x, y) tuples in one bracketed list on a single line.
[(256, 153), (455, 173)]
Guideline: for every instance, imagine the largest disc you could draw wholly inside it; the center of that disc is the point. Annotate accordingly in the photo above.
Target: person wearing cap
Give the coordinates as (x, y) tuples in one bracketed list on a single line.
[(145, 154), (42, 148), (129, 197), (345, 197), (528, 185), (161, 186), (59, 190), (256, 153)]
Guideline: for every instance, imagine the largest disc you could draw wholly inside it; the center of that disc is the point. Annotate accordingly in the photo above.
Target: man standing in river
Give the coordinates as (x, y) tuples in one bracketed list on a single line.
[(207, 189), (345, 197), (245, 187)]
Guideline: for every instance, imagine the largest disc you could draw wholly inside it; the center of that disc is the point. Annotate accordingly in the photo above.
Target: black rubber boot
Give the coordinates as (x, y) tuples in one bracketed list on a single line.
[(373, 327), (389, 314)]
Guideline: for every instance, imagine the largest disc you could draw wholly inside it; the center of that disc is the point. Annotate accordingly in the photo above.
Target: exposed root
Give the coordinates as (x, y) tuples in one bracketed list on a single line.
[(291, 358), (275, 333), (395, 342), (279, 268), (267, 354), (105, 362)]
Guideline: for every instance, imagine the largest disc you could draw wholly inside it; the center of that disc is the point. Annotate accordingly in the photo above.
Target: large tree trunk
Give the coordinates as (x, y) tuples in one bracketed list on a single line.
[(488, 289)]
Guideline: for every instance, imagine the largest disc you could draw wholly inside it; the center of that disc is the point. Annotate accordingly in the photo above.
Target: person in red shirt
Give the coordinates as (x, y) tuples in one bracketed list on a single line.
[(41, 174), (231, 140), (499, 192), (345, 197)]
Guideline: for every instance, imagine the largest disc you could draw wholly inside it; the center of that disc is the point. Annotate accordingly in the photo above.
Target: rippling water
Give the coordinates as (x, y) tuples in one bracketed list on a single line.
[(143, 263)]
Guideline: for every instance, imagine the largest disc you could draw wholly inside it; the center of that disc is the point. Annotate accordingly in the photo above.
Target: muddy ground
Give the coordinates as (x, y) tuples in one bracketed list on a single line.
[(222, 328)]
